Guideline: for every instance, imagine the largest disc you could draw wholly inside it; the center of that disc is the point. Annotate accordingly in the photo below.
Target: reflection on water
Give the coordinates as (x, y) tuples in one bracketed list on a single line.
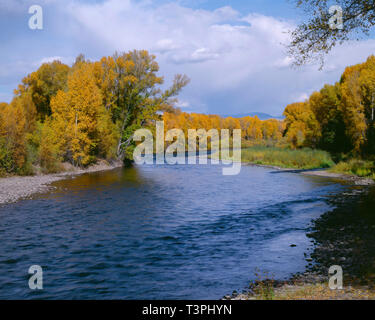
[(160, 232)]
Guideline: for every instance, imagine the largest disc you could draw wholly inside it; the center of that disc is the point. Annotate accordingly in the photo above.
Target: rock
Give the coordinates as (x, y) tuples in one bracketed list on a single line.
[(14, 188)]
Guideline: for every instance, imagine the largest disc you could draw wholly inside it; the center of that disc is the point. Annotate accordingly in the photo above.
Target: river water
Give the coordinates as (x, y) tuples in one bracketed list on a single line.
[(160, 232)]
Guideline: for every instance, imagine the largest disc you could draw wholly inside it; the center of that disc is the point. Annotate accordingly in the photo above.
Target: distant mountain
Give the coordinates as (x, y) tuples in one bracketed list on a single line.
[(260, 115)]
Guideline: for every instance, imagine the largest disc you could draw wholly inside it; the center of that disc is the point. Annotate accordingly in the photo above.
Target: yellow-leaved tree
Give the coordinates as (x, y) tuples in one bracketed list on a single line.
[(352, 107), (13, 151), (79, 117), (302, 128)]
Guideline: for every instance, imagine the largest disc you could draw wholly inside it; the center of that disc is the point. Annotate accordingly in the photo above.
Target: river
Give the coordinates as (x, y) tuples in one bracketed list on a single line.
[(161, 232)]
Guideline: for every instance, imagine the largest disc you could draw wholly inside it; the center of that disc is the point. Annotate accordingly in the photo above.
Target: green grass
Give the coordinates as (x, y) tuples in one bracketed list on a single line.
[(287, 158), (361, 168), (318, 291)]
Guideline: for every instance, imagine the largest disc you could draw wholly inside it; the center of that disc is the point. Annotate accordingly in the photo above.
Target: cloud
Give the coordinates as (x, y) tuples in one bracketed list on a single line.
[(183, 104), (196, 56), (66, 60), (165, 45), (237, 62)]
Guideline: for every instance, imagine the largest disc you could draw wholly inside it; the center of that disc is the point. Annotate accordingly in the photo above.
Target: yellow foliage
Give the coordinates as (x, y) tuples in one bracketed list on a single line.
[(252, 127), (302, 128), (352, 106), (43, 84), (50, 149), (75, 115), (13, 133)]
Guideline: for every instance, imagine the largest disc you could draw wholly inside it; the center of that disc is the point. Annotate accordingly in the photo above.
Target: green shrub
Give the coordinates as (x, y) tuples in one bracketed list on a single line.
[(287, 158), (361, 168), (6, 158)]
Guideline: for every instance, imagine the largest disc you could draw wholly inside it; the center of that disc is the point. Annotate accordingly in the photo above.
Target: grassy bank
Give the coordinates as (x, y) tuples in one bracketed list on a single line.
[(360, 168), (319, 291), (287, 158)]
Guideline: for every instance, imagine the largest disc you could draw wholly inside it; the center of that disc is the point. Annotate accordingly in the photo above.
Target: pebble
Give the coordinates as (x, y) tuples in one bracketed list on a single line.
[(15, 188)]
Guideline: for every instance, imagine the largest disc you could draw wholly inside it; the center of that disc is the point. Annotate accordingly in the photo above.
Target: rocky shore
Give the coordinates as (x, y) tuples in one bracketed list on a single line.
[(305, 291), (340, 176), (355, 180), (15, 188), (344, 236)]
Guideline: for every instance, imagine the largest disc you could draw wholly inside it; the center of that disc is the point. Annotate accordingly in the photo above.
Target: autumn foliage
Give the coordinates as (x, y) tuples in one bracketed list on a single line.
[(81, 113), (339, 118), (91, 110), (254, 131)]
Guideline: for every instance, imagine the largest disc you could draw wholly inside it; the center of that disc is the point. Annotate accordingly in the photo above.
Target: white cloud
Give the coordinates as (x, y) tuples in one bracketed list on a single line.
[(237, 63), (283, 62), (183, 104), (51, 59), (300, 97), (165, 45)]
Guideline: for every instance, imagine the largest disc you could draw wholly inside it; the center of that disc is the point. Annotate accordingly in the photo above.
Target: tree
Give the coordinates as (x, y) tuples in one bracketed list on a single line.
[(43, 84), (326, 106), (51, 149), (13, 151), (92, 109), (25, 102), (76, 114), (302, 128), (367, 87), (314, 38), (131, 91), (6, 161), (254, 131), (353, 108), (271, 130)]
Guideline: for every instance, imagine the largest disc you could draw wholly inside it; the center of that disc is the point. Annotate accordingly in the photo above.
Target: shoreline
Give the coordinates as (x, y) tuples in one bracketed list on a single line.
[(341, 236), (15, 188), (288, 290), (299, 286), (319, 172)]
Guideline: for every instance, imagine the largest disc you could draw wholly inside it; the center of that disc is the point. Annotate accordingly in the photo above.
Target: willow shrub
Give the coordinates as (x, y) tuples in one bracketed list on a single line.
[(287, 158), (357, 167)]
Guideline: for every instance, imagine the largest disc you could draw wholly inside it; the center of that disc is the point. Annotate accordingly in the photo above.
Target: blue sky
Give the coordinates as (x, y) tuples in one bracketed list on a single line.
[(233, 51)]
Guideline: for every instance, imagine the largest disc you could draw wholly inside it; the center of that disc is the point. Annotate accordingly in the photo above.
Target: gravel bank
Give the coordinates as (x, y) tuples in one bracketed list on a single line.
[(15, 188), (355, 180), (350, 178), (342, 236)]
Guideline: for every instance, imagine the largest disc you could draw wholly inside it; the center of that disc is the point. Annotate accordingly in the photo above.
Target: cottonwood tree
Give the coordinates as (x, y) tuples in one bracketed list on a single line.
[(131, 90), (44, 84), (314, 38), (78, 116), (302, 128)]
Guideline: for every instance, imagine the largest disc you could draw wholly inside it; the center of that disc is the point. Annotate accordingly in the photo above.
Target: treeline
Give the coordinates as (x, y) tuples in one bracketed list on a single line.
[(340, 117), (82, 112), (91, 110), (254, 131)]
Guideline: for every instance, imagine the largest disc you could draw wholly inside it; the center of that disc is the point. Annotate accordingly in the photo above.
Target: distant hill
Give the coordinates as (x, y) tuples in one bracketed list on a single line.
[(260, 115)]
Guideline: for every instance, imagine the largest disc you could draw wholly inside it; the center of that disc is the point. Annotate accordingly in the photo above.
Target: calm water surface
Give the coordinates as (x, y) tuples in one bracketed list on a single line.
[(160, 232)]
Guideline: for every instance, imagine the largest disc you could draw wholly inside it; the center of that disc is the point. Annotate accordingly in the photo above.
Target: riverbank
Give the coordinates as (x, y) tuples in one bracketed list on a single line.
[(309, 162), (305, 291), (287, 158), (356, 180), (343, 236), (15, 188), (319, 172)]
